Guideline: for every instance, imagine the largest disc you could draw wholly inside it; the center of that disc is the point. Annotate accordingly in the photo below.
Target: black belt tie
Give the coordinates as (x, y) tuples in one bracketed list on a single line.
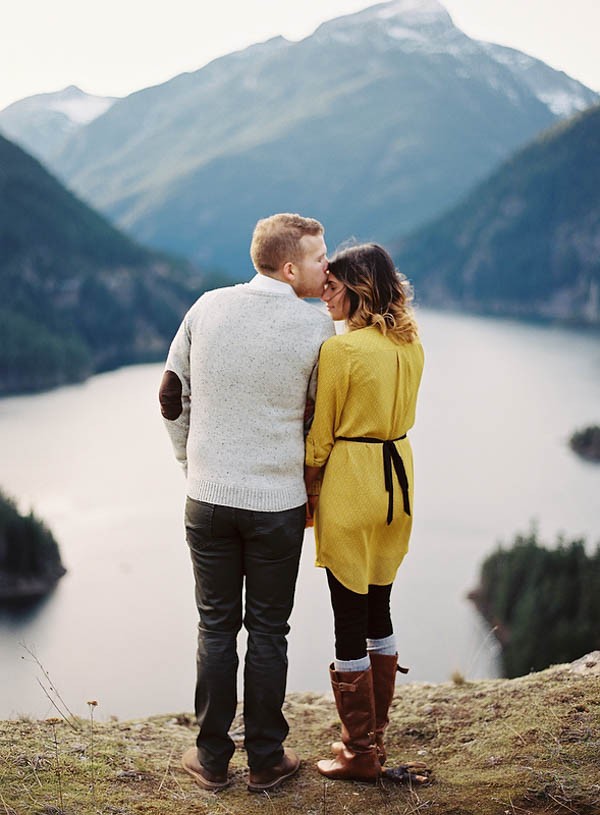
[(390, 457)]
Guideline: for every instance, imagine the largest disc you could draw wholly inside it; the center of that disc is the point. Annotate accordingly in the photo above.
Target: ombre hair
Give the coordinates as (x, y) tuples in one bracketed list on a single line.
[(378, 293), (276, 240)]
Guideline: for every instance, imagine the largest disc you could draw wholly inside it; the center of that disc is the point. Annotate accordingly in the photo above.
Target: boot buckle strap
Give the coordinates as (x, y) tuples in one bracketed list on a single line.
[(345, 686)]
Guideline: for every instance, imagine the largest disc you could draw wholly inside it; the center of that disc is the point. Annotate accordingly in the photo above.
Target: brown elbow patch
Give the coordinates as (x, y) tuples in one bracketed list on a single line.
[(169, 396)]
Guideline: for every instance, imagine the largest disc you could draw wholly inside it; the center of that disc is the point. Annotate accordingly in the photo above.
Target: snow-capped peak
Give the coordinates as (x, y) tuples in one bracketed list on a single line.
[(420, 24), (42, 123), (78, 106), (418, 11)]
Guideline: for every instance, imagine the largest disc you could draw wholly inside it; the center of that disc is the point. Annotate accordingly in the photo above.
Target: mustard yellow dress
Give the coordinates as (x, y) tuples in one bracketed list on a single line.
[(367, 387)]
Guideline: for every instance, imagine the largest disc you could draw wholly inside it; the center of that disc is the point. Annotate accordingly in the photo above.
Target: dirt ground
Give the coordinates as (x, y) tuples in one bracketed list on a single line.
[(498, 747)]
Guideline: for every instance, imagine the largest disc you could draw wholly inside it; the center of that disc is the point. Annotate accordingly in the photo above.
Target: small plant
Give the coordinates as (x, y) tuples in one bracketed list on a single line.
[(53, 722), (93, 704)]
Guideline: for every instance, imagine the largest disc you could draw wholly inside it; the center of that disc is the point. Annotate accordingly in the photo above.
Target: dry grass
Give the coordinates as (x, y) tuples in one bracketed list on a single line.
[(502, 747)]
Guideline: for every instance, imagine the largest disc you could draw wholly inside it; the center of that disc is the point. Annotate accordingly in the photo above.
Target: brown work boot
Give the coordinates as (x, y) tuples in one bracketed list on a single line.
[(261, 780), (203, 777), (357, 760)]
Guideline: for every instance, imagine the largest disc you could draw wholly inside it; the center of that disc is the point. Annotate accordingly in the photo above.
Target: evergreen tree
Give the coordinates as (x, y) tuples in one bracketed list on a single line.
[(545, 602)]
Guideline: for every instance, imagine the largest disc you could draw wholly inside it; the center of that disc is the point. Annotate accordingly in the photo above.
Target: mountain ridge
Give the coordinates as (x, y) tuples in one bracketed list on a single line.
[(369, 134), (525, 241)]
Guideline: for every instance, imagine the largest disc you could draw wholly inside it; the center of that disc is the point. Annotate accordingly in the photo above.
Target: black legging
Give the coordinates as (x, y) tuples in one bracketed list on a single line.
[(358, 616)]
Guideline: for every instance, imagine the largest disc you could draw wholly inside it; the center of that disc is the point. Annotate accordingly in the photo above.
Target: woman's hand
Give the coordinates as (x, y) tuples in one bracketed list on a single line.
[(311, 505), (312, 479)]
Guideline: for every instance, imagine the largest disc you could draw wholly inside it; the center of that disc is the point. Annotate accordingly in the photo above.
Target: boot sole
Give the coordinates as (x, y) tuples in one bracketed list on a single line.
[(211, 786), (272, 784)]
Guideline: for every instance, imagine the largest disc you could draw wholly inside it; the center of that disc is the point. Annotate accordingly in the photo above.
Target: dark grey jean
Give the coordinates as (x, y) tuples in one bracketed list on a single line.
[(230, 547)]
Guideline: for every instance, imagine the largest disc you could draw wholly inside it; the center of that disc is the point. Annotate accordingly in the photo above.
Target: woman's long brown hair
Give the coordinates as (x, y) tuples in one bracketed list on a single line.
[(379, 294)]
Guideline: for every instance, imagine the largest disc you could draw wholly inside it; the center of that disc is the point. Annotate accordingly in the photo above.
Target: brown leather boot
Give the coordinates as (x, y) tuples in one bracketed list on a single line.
[(357, 760), (384, 667)]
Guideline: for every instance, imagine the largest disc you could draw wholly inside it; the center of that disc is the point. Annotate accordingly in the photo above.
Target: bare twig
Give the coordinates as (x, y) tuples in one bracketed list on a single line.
[(5, 805), (36, 776), (69, 716), (160, 786), (517, 734), (63, 716), (561, 804)]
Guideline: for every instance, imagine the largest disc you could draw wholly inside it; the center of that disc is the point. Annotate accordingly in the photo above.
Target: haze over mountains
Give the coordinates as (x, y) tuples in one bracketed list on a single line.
[(376, 123)]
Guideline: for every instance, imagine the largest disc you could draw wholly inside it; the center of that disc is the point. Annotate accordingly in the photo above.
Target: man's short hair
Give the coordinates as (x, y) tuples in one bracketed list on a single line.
[(276, 240)]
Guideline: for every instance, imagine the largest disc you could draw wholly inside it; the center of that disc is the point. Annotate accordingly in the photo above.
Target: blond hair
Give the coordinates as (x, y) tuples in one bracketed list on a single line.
[(379, 294), (276, 240)]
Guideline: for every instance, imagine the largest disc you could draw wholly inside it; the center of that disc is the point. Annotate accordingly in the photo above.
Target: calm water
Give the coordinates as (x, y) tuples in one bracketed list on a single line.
[(497, 405)]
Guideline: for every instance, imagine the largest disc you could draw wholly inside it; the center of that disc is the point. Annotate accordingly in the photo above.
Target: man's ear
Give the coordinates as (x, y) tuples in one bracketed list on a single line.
[(288, 272)]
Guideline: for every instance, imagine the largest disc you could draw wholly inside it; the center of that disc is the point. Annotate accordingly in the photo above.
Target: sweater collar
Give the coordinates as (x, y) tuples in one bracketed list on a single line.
[(270, 284)]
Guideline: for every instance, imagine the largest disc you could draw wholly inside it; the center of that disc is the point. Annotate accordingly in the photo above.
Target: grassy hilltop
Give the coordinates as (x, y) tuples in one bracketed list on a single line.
[(496, 747)]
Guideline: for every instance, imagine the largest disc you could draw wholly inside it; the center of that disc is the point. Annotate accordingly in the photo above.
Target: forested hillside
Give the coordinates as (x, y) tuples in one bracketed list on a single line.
[(526, 242), (76, 295), (543, 602), (30, 562)]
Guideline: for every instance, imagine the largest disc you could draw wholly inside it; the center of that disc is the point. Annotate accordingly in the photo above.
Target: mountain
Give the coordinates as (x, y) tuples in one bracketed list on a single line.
[(375, 123), (76, 295), (526, 241), (41, 124)]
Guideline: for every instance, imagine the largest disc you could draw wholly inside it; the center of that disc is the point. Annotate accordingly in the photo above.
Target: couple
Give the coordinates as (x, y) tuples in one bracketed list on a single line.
[(240, 372)]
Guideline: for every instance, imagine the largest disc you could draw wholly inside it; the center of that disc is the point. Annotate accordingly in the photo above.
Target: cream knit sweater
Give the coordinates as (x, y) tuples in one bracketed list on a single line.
[(243, 362)]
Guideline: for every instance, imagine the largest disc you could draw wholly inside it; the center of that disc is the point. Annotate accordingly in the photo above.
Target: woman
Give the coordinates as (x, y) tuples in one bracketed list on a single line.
[(366, 399)]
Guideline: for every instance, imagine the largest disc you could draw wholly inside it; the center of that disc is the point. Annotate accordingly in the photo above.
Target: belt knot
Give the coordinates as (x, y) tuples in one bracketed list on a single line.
[(392, 462)]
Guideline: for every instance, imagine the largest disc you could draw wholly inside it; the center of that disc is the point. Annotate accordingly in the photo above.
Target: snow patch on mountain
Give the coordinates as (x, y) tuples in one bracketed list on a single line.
[(411, 11), (41, 124), (425, 26), (398, 32), (81, 108), (564, 95), (421, 17), (564, 103)]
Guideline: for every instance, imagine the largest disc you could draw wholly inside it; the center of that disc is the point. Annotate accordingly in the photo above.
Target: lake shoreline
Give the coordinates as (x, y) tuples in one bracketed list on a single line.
[(23, 590)]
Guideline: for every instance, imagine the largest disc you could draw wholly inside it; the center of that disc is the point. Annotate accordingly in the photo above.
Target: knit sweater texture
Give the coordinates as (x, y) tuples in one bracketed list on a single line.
[(246, 359)]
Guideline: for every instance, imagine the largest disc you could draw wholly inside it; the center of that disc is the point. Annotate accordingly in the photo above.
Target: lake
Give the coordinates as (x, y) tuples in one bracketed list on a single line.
[(498, 402)]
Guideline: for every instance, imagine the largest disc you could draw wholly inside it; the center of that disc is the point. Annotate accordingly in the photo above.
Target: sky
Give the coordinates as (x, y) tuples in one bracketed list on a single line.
[(115, 47)]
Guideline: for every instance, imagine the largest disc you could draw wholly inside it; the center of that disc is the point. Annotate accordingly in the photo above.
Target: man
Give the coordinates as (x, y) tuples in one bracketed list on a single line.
[(233, 394)]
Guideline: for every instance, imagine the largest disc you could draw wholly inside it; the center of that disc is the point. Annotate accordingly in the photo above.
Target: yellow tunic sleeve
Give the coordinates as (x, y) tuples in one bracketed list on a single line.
[(332, 390)]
